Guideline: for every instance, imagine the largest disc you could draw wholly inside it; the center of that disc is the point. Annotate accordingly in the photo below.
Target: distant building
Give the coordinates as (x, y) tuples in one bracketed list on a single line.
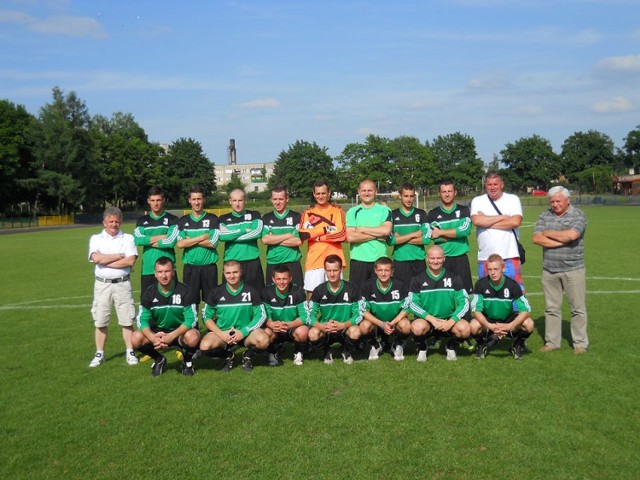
[(254, 175), (626, 184)]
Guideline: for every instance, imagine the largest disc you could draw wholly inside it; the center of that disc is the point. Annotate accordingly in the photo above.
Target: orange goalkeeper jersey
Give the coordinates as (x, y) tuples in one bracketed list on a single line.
[(327, 230)]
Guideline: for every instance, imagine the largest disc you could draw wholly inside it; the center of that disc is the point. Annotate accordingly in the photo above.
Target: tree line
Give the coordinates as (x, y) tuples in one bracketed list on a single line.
[(64, 160)]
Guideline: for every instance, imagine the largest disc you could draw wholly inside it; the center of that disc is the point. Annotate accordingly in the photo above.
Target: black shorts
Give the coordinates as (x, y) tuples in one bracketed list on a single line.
[(282, 337), (360, 272), (202, 279), (485, 334), (296, 272), (405, 271), (460, 266)]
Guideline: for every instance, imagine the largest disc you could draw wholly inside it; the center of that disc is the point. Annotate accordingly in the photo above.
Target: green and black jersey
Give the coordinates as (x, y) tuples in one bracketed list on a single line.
[(403, 224), (443, 296), (242, 309), (149, 226), (277, 224), (343, 305), (498, 302), (384, 304), (285, 307), (167, 311), (459, 219), (189, 227), (240, 232)]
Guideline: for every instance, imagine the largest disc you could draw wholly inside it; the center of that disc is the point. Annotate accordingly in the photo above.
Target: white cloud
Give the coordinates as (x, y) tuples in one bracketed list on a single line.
[(59, 25), (614, 105), (627, 63), (261, 103)]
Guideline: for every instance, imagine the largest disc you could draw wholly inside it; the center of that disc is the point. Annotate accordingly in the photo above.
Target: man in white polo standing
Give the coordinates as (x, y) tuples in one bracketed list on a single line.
[(114, 253)]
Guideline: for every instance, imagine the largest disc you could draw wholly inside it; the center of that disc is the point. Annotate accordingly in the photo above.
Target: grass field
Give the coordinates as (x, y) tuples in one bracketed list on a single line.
[(554, 415)]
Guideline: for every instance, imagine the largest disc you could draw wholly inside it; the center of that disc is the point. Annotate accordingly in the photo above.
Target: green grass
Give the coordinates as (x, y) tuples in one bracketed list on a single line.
[(554, 415)]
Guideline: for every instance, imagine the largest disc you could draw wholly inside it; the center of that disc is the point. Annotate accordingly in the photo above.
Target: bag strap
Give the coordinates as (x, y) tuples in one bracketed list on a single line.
[(513, 230)]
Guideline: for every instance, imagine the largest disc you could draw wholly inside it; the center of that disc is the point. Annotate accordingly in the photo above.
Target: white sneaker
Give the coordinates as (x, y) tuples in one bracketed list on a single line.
[(422, 356), (398, 353), (297, 358), (374, 354), (97, 360), (347, 358), (131, 359), (451, 355)]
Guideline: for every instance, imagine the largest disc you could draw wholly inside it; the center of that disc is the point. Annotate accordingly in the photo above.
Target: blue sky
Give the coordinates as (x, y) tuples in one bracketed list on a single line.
[(268, 73)]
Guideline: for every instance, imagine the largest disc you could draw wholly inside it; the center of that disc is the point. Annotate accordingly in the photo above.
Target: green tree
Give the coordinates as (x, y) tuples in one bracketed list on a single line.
[(583, 150), (184, 166), (16, 153), (126, 157), (388, 163), (631, 149), (456, 157), (67, 173), (596, 179), (299, 166), (531, 162), (234, 183)]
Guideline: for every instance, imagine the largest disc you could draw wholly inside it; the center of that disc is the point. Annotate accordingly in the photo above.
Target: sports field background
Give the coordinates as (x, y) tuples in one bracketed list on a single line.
[(554, 415)]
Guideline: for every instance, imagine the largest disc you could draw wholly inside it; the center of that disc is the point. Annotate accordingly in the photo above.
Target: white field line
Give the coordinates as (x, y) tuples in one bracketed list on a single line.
[(622, 279)]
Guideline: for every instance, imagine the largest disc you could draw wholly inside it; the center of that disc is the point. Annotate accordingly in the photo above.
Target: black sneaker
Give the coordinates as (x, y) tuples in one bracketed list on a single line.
[(517, 349), (187, 370), (481, 350), (493, 341), (247, 364), (159, 366), (228, 363)]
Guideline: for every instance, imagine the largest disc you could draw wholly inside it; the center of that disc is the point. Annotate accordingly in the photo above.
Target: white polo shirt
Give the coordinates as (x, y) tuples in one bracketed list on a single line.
[(495, 240), (105, 243)]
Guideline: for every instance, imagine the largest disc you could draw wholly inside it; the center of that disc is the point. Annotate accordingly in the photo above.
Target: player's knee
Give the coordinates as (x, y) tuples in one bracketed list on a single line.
[(528, 325), (259, 339), (365, 327), (420, 327), (301, 334), (315, 334), (403, 326), (191, 338), (462, 329), (354, 333), (137, 339)]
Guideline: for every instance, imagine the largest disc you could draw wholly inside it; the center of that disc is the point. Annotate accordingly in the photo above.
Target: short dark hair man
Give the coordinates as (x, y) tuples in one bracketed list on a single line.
[(167, 318), (157, 233), (285, 304), (409, 235), (233, 315), (198, 236), (335, 310), (450, 228), (384, 297), (499, 309), (280, 235)]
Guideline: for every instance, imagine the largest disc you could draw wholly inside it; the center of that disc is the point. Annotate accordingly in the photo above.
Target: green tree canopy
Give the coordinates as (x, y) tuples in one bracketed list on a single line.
[(299, 166), (531, 163), (184, 166), (583, 150), (631, 149), (456, 157), (388, 163), (16, 153)]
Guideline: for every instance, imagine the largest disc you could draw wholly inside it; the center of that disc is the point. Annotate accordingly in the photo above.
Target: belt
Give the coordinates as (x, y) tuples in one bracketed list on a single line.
[(113, 280)]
